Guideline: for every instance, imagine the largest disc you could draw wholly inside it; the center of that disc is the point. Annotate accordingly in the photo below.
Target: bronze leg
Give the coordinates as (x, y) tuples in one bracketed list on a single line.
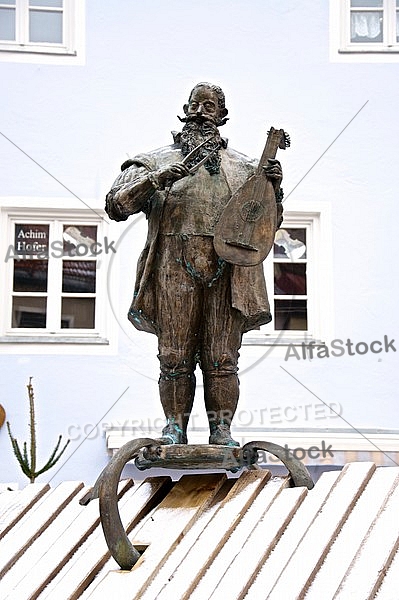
[(222, 334), (179, 318)]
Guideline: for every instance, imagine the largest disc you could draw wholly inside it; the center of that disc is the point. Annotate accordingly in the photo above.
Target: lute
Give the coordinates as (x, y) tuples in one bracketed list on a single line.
[(245, 232)]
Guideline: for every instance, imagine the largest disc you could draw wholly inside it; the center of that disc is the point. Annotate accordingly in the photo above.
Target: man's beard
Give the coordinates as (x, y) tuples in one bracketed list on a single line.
[(194, 132)]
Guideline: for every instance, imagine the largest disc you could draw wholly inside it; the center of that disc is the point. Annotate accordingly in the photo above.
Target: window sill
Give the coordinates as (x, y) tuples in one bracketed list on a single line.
[(369, 50), (53, 339), (255, 340)]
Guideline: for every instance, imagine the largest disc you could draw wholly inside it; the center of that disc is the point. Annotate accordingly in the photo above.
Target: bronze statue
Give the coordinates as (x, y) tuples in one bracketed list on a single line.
[(198, 304)]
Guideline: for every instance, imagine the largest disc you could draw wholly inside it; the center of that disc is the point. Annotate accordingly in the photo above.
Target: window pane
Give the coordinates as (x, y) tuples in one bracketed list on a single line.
[(366, 3), (366, 26), (290, 315), (77, 313), (290, 243), (290, 278), (53, 3), (78, 240), (29, 312), (7, 24), (45, 26), (397, 25), (30, 275), (31, 239), (79, 276)]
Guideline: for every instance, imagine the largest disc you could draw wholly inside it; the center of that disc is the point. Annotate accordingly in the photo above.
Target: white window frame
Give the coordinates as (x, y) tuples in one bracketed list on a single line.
[(343, 50), (70, 51), (103, 338), (316, 218)]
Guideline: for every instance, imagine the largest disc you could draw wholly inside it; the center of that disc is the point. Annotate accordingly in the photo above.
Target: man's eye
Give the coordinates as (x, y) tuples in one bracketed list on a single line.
[(194, 105), (209, 106)]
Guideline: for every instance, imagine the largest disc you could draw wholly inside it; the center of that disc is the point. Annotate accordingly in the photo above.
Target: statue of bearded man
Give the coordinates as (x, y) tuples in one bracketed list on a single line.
[(198, 305)]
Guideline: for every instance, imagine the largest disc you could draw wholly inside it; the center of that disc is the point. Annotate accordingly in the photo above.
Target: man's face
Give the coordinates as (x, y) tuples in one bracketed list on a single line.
[(203, 104)]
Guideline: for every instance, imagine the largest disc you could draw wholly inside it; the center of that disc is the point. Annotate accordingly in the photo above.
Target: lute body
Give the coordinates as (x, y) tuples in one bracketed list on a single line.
[(246, 228)]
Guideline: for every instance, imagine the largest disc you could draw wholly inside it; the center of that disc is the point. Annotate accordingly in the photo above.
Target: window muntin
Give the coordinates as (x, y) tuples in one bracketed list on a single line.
[(298, 279), (53, 270), (290, 279), (370, 25), (40, 28)]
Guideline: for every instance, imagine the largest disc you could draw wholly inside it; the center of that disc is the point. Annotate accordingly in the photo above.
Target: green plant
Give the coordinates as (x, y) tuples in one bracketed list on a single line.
[(28, 464)]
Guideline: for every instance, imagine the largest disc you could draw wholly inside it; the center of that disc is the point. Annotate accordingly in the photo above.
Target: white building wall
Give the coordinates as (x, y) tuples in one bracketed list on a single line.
[(81, 122)]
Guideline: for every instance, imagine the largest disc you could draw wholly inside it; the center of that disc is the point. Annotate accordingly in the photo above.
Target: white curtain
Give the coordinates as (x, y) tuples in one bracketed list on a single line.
[(366, 25)]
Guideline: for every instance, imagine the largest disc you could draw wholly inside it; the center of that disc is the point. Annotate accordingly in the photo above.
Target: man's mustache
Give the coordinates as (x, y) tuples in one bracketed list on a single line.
[(202, 119)]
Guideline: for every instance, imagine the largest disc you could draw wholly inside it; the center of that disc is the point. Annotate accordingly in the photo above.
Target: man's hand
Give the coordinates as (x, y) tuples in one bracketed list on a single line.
[(168, 175), (274, 172)]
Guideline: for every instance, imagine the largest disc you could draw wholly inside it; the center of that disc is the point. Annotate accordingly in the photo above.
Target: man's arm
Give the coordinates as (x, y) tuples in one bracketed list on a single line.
[(133, 189)]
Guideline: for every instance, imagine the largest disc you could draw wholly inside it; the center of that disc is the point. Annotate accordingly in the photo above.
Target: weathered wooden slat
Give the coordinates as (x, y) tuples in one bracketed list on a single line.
[(175, 558), (236, 579), (301, 521), (91, 556), (162, 531), (19, 505), (212, 539), (389, 586), (314, 546), (41, 561), (34, 522), (235, 543), (353, 534), (376, 553)]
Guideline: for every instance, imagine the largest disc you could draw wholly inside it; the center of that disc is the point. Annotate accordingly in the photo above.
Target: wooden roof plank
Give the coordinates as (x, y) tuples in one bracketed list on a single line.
[(236, 579), (34, 522), (236, 542), (33, 553), (19, 505), (312, 549), (353, 534), (54, 547), (376, 553), (214, 536), (301, 521), (162, 531), (91, 556), (175, 558), (389, 587)]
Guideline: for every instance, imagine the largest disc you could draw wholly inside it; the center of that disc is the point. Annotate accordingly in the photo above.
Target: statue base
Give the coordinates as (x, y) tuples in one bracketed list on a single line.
[(195, 456)]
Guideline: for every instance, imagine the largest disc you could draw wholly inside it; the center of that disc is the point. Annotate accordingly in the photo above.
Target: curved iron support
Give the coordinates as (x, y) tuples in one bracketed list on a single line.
[(106, 489), (299, 473)]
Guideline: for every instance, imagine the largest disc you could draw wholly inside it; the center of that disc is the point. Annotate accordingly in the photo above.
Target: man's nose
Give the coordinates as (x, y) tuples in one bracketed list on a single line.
[(200, 109)]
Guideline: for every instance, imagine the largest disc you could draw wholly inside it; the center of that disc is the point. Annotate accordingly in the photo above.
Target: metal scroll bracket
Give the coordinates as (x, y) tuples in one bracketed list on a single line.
[(149, 453)]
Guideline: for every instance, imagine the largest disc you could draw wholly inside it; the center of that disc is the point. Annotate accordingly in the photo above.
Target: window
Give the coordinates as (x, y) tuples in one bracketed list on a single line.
[(55, 277), (365, 27), (298, 273), (42, 29)]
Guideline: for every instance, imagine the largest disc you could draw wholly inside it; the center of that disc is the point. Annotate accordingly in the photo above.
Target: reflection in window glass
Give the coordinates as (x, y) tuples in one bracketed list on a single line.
[(290, 315), (79, 276), (45, 27), (78, 313), (290, 243), (290, 278), (30, 275), (366, 3), (47, 3), (29, 312), (7, 24), (79, 240)]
